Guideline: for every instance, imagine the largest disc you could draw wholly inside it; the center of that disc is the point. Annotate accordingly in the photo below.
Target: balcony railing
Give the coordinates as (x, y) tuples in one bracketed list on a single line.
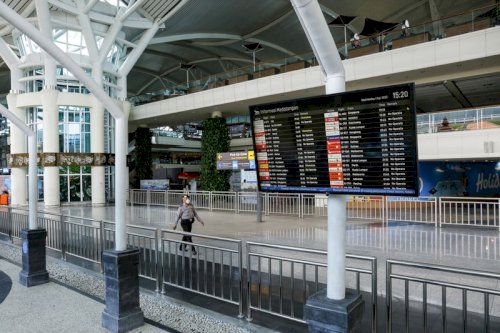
[(477, 19)]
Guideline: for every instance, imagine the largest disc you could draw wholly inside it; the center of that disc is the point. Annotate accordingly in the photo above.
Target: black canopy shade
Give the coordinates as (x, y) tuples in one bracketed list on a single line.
[(342, 20), (253, 47), (373, 27)]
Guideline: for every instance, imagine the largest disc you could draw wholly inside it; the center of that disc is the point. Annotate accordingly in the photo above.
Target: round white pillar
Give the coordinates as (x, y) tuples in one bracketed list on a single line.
[(19, 183), (126, 106), (97, 146), (51, 188)]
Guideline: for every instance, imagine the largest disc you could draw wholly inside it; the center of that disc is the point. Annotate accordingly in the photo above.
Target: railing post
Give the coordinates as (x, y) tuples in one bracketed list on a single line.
[(132, 197), (240, 271), (374, 295), (385, 211), (102, 240), (388, 296), (148, 198), (436, 212), (249, 283), (159, 266), (266, 203), (166, 199), (9, 221), (498, 214), (236, 202), (440, 212), (210, 201), (63, 238), (300, 204)]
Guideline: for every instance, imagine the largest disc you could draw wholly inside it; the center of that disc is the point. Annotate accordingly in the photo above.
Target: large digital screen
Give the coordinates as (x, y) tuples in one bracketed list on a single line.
[(360, 142)]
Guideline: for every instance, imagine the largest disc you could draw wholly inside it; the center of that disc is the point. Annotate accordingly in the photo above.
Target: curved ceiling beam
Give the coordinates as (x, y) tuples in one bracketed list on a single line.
[(269, 25), (249, 61), (194, 36), (136, 22), (154, 74)]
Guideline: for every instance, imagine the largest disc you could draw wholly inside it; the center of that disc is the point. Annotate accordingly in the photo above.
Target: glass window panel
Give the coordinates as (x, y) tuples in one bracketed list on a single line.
[(74, 169), (87, 188), (74, 188), (87, 143), (40, 187), (63, 188)]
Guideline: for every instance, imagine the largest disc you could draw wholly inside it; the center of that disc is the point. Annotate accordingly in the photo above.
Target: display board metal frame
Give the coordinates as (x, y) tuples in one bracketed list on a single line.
[(359, 143)]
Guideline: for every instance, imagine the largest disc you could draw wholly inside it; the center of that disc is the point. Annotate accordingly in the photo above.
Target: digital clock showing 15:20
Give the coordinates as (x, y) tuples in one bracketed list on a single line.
[(400, 94)]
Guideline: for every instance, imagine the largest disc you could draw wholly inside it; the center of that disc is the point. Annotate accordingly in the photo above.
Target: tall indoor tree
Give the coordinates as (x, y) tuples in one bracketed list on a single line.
[(215, 139), (142, 156)]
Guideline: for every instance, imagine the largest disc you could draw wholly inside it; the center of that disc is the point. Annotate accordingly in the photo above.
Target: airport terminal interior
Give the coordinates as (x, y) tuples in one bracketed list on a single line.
[(108, 110)]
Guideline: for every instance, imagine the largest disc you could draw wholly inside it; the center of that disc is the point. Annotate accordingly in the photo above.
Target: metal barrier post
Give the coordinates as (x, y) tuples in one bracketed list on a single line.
[(166, 199), (159, 266), (132, 196), (103, 245), (266, 204), (388, 296), (63, 239), (301, 205), (436, 221), (148, 198), (440, 212), (240, 271), (374, 295), (236, 197), (498, 214), (385, 211), (210, 201), (249, 284), (9, 221)]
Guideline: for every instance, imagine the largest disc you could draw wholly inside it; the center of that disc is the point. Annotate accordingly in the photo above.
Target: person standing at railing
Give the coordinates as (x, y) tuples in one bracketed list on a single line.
[(186, 214)]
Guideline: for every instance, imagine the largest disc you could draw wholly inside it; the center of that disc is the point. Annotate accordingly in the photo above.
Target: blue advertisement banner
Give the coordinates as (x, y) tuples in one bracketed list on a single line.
[(459, 179)]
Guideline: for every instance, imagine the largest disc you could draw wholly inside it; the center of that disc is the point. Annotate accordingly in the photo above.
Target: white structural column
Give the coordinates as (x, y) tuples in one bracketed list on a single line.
[(319, 36), (97, 142), (51, 188), (50, 108), (18, 195), (47, 44), (32, 151), (97, 146)]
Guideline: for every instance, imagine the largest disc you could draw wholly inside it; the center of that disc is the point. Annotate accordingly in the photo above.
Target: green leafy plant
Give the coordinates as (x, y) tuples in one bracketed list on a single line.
[(215, 140), (142, 156)]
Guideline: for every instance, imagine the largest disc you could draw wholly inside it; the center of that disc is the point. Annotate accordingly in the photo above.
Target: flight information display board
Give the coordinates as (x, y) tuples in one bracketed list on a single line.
[(361, 142)]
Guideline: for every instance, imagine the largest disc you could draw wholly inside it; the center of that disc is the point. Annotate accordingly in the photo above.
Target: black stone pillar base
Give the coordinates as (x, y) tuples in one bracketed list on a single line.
[(34, 270), (121, 273), (324, 315)]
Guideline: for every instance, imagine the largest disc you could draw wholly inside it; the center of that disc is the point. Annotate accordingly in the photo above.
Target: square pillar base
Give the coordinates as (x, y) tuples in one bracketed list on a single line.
[(121, 273), (324, 315), (34, 271)]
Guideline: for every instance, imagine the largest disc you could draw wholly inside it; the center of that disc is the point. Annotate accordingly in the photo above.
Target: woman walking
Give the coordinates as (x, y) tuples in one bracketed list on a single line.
[(186, 214)]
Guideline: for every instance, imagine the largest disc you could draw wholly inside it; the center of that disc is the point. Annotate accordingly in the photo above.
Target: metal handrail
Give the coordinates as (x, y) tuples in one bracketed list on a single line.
[(444, 286), (304, 264)]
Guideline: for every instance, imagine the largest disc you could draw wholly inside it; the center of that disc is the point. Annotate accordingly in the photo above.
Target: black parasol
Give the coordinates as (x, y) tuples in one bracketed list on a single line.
[(342, 20), (373, 27)]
